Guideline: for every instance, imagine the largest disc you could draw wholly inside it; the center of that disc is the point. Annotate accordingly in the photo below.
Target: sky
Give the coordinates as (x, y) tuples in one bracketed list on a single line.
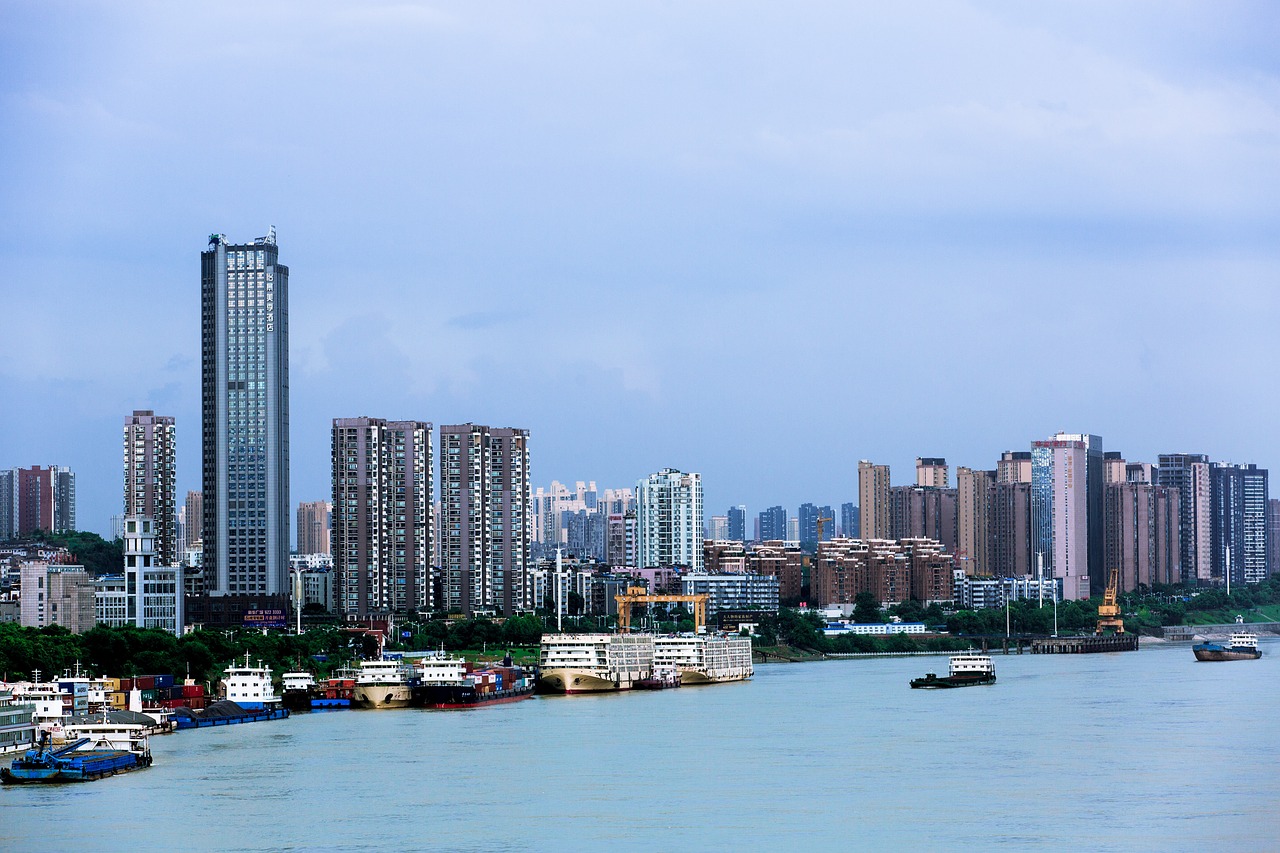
[(758, 241)]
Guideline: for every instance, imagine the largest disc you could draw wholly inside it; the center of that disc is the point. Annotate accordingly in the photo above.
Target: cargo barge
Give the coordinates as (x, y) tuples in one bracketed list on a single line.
[(451, 684), (225, 713), (1243, 646), (965, 671), (74, 762)]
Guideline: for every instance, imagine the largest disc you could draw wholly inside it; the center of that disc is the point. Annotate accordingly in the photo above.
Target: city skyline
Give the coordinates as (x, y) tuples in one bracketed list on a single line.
[(1105, 198)]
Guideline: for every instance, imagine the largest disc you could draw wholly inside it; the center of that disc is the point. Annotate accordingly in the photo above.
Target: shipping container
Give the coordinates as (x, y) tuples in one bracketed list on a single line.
[(145, 682), (111, 685), (163, 680), (148, 695), (192, 690), (126, 684)]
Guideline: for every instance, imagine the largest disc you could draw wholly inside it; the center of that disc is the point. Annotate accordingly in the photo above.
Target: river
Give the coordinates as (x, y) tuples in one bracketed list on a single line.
[(1133, 751)]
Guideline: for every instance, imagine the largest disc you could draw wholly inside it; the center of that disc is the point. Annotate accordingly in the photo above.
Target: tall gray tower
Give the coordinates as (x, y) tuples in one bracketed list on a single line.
[(244, 332)]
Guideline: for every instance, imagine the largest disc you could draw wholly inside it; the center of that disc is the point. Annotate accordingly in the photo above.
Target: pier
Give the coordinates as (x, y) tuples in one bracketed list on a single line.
[(1085, 645)]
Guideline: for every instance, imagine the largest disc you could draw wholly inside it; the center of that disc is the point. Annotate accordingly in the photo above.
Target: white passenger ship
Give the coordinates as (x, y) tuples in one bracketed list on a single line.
[(708, 659), (383, 684), (594, 663), (250, 686)]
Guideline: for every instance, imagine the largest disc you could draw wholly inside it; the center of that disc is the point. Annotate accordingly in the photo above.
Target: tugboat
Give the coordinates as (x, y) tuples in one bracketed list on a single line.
[(1243, 646), (966, 671), (83, 760)]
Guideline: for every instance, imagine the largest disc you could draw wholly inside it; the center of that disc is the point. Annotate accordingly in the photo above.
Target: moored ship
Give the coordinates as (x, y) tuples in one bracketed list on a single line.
[(665, 677), (706, 659), (450, 683), (966, 671), (250, 686), (297, 688), (83, 760), (383, 684), (1242, 646), (594, 663)]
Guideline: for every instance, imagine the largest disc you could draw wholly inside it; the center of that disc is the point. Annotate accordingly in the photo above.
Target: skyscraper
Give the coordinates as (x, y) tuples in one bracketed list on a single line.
[(1014, 467), (1067, 511), (1189, 474), (669, 517), (486, 516), (193, 518), (150, 478), (245, 404), (738, 523), (315, 518), (975, 517), (931, 471), (771, 525), (1238, 496), (807, 517), (382, 526), (873, 500), (849, 526)]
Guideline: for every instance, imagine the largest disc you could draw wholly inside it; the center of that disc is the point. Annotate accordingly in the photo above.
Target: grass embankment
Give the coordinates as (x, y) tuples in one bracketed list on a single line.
[(785, 654), (520, 656), (1265, 613)]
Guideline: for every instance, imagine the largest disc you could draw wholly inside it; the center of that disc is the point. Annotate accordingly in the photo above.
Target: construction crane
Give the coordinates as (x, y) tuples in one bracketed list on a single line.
[(822, 521), (639, 595), (1109, 609)]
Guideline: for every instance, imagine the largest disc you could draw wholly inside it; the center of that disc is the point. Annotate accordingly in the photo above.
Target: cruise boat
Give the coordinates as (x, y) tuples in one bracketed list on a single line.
[(966, 671), (706, 659), (383, 684), (250, 686), (594, 663)]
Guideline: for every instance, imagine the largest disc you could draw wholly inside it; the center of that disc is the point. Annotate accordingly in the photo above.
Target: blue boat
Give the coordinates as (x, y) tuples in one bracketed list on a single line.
[(71, 763), (226, 713)]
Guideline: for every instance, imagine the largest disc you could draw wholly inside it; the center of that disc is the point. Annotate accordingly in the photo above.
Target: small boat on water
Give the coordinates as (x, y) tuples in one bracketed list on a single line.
[(966, 671), (664, 677), (1242, 646), (83, 760)]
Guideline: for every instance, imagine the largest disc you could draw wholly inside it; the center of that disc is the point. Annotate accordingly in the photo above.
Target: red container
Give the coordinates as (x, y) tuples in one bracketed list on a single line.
[(145, 682), (189, 690), (126, 684)]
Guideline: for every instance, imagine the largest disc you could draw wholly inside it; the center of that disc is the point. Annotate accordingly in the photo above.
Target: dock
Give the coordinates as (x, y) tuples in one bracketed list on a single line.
[(1085, 645)]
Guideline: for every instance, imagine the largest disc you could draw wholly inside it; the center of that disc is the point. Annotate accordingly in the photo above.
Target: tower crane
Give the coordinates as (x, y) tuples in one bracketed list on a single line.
[(639, 595)]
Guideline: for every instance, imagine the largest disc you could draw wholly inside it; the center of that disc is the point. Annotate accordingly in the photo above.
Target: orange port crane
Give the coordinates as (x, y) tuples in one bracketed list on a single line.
[(1109, 609), (638, 595)]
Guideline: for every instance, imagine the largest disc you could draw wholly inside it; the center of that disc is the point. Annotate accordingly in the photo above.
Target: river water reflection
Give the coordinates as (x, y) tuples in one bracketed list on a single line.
[(1137, 751)]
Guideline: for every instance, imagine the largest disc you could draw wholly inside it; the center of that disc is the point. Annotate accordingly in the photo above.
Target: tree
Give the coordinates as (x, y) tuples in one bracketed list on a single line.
[(866, 609)]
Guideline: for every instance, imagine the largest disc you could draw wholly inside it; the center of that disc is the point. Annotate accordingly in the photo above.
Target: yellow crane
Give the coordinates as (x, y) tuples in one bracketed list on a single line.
[(1109, 609), (639, 595), (821, 522)]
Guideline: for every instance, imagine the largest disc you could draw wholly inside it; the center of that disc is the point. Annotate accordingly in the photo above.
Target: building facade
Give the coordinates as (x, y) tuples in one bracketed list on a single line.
[(932, 472), (315, 521), (245, 425), (733, 592), (669, 518), (150, 478), (382, 525), (873, 500), (975, 517), (36, 498), (771, 524), (1189, 474), (193, 519), (1142, 535), (149, 593), (1067, 511), (56, 594), (738, 523), (1238, 497), (485, 513)]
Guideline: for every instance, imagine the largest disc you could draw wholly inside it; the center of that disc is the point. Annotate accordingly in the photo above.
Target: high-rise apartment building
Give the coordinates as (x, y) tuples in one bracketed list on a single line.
[(850, 528), (485, 513), (718, 528), (150, 478), (315, 519), (36, 498), (738, 523), (975, 520), (193, 518), (923, 512), (1273, 534), (932, 472), (669, 519), (244, 322), (1012, 545), (873, 500), (771, 525), (1141, 534), (1189, 474), (56, 594), (1238, 496), (382, 533), (1068, 512), (1014, 467)]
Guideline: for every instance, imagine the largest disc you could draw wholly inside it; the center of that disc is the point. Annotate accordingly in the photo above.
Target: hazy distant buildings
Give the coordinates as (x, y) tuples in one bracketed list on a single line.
[(150, 484), (192, 519), (382, 525), (669, 518), (1067, 510), (718, 528), (1273, 534), (923, 512), (486, 514), (1141, 532), (315, 519), (621, 539), (849, 523), (771, 525), (36, 498), (873, 500), (738, 523), (244, 320), (1188, 473)]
